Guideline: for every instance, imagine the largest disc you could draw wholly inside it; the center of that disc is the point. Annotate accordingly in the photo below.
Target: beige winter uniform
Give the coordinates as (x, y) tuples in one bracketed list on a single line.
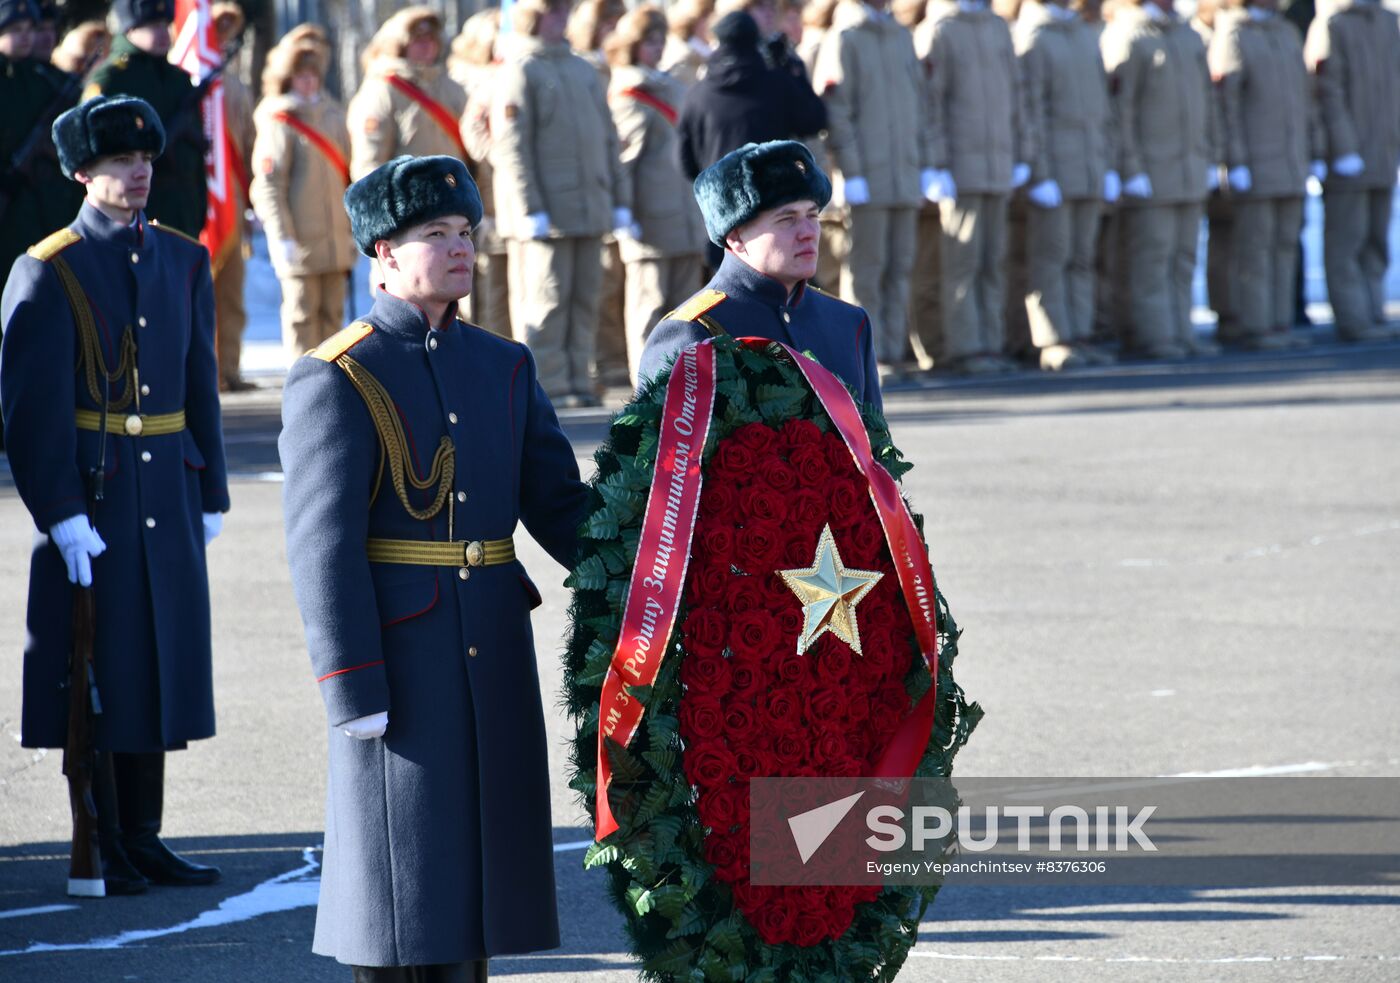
[(1267, 116), (555, 153), (1164, 128), (296, 194), (977, 130), (1354, 55), (663, 263), (684, 61), (490, 304), (871, 82), (230, 317), (1067, 102), (385, 122)]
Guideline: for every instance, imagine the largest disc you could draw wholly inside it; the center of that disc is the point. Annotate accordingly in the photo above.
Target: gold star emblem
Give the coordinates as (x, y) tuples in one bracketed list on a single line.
[(829, 592)]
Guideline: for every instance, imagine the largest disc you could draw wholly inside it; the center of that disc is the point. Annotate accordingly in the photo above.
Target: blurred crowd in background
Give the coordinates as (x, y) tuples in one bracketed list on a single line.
[(1020, 183)]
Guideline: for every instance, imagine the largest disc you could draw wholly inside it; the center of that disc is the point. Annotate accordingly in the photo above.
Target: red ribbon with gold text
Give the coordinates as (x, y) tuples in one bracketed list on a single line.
[(653, 599), (663, 554)]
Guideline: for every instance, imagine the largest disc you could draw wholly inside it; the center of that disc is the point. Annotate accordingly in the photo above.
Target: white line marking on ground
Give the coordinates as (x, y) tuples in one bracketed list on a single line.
[(270, 477), (1265, 771), (285, 892), (566, 847), (41, 910)]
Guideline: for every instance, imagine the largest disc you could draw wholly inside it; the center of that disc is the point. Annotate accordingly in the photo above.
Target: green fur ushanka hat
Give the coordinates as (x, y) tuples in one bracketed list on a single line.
[(407, 191), (103, 126), (755, 178)]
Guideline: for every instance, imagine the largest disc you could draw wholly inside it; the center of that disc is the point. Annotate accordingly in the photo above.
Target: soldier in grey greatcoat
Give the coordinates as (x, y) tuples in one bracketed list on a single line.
[(116, 313), (413, 445)]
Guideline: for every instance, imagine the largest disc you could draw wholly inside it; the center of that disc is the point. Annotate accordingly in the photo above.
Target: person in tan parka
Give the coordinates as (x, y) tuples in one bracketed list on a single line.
[(300, 171), (230, 316), (663, 261), (473, 65), (688, 42), (407, 103), (1354, 55), (1167, 156), (977, 123), (872, 84), (559, 188), (1067, 98), (1268, 132)]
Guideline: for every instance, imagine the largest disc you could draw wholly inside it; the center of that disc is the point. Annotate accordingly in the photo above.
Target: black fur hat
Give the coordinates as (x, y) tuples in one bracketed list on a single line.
[(755, 178), (13, 11), (134, 13), (408, 191), (103, 126)]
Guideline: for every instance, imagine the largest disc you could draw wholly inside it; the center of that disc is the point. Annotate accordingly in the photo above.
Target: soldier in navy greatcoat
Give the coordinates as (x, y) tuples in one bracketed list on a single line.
[(413, 444), (130, 304), (760, 204)]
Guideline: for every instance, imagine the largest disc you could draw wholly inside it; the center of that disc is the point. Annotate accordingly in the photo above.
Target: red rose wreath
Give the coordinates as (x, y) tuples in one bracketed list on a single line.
[(739, 685)]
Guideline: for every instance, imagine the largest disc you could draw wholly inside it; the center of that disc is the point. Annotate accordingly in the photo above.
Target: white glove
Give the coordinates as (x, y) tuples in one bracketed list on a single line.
[(538, 224), (282, 252), (213, 525), (938, 185), (1318, 170), (363, 728), (1348, 165), (857, 191), (1240, 179), (1112, 186), (1138, 186), (1046, 194), (79, 543), (623, 224), (1020, 174), (1212, 178)]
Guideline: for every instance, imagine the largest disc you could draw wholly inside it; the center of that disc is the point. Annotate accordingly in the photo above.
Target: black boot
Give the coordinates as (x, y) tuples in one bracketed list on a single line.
[(118, 876), (140, 800)]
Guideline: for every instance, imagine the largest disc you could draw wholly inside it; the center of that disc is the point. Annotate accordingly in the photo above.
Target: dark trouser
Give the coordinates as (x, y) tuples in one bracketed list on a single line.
[(470, 972)]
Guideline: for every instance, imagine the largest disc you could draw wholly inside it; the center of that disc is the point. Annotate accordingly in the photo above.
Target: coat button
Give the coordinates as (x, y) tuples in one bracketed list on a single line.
[(150, 523), (136, 257), (145, 389), (141, 321), (146, 456), (452, 418), (461, 496), (472, 651), (463, 573), (787, 318), (432, 343)]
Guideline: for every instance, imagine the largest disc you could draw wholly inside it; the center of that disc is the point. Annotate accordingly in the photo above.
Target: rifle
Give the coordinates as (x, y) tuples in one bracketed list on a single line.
[(39, 140), (80, 748), (178, 125)]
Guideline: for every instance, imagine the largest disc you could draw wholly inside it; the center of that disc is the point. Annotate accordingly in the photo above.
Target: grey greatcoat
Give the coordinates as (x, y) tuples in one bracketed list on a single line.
[(152, 652), (438, 835)]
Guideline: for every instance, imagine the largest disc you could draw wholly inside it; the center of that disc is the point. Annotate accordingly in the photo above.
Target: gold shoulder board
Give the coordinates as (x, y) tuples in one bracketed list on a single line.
[(695, 306), (51, 245), (175, 232), (342, 341)]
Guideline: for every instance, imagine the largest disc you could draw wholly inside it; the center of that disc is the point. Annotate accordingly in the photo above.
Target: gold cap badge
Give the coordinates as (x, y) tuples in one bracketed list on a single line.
[(140, 123), (451, 181)]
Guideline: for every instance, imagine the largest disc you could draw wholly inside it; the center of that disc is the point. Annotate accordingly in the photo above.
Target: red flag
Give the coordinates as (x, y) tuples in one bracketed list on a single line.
[(196, 50)]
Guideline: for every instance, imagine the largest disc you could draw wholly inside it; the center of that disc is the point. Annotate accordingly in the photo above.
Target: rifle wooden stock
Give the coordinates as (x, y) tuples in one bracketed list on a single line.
[(80, 753)]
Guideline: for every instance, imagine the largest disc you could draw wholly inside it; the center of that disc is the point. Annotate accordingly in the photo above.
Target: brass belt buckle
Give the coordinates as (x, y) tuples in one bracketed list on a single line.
[(134, 425), (475, 553)]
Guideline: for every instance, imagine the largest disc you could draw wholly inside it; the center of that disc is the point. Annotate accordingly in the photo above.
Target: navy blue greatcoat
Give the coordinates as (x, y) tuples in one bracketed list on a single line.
[(836, 333), (438, 835), (152, 654)]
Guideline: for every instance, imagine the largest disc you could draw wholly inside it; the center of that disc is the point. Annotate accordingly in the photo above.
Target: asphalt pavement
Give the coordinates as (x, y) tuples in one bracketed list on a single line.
[(1159, 570)]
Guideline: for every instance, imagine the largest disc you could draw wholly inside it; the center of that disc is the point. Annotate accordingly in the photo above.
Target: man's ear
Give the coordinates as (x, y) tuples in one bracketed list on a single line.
[(384, 252), (735, 243), (82, 177)]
